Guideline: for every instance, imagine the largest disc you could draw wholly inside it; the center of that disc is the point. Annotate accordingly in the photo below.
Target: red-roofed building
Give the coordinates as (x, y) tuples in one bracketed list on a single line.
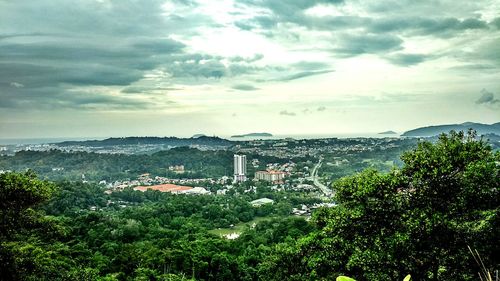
[(168, 187)]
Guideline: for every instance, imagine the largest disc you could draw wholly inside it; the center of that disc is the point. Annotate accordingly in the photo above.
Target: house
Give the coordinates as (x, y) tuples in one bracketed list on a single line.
[(261, 201)]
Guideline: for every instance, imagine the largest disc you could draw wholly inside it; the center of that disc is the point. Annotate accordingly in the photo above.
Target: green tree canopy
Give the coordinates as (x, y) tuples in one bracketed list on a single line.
[(18, 194), (418, 219)]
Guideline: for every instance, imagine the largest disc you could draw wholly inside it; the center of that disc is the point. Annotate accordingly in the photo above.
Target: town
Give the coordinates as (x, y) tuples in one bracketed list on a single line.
[(299, 166)]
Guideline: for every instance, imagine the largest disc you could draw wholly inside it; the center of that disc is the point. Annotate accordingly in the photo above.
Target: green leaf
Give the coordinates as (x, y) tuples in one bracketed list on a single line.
[(407, 278), (344, 278)]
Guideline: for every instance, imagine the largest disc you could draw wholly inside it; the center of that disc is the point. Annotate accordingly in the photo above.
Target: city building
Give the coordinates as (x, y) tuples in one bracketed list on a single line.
[(271, 176), (178, 169), (240, 168)]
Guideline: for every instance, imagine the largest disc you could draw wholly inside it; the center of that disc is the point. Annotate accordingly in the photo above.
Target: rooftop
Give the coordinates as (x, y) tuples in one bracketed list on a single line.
[(164, 188), (262, 201)]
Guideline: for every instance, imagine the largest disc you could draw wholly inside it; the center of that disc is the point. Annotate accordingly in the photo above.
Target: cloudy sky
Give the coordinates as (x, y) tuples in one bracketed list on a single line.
[(102, 68)]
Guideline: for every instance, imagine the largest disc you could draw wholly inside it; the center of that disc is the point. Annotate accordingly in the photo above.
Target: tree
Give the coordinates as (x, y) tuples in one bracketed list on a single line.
[(20, 253), (418, 219), (18, 194)]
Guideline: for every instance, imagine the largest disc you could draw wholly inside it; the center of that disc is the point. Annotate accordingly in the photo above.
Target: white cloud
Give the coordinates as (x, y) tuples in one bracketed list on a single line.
[(195, 58)]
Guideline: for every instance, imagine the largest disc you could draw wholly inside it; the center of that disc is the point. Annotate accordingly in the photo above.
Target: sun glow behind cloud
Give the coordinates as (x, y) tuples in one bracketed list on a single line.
[(234, 66)]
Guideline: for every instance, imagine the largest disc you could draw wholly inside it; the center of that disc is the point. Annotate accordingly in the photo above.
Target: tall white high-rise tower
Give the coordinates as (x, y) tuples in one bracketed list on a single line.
[(240, 168)]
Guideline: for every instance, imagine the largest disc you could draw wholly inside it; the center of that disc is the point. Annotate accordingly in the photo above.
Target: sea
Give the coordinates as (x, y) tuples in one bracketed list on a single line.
[(24, 141), (314, 136), (12, 141)]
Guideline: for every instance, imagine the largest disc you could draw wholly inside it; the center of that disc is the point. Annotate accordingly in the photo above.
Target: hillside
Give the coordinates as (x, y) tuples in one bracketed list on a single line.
[(253, 135), (430, 131), (173, 141)]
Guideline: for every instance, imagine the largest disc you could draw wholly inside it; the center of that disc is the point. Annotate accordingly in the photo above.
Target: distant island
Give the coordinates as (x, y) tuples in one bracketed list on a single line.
[(431, 131), (195, 136), (388, 133), (253, 135)]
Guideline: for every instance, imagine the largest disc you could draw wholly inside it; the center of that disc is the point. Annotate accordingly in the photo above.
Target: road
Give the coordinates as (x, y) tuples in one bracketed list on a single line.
[(314, 175)]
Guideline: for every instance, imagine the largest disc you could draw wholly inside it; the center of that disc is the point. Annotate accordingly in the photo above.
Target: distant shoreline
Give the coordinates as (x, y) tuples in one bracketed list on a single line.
[(34, 141)]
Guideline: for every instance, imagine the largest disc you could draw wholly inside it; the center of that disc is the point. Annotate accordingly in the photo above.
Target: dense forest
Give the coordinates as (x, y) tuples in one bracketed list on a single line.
[(98, 166), (338, 165), (418, 219)]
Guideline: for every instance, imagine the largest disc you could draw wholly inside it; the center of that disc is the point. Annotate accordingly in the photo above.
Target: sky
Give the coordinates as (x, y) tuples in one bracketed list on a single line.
[(103, 68)]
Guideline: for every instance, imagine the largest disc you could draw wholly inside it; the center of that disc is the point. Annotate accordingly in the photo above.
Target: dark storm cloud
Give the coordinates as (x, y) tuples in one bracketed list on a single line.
[(488, 51), (83, 17), (487, 97), (303, 74), (311, 65), (298, 70), (287, 113), (262, 22), (425, 26), (113, 18), (254, 58), (147, 89), (184, 67), (209, 69), (335, 23), (496, 23), (48, 58), (244, 87), (426, 7), (282, 11), (52, 50), (34, 76), (407, 59), (159, 45), (467, 68), (485, 55), (287, 9), (380, 29), (44, 98), (353, 45), (50, 65), (244, 25), (74, 45)]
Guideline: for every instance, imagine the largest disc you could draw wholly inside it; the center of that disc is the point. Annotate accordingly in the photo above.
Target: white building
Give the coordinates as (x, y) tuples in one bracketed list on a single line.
[(272, 176), (196, 190), (261, 201), (240, 168)]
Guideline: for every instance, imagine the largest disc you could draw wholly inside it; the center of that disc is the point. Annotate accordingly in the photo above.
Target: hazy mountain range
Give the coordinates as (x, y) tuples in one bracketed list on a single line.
[(253, 135), (172, 141), (200, 139), (429, 131)]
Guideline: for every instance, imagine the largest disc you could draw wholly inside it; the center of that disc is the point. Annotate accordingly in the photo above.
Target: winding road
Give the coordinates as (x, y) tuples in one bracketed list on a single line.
[(314, 175)]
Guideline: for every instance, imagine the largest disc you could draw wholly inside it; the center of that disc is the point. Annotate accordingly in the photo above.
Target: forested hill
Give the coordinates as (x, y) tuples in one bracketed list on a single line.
[(430, 131), (59, 165), (115, 166), (173, 141)]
